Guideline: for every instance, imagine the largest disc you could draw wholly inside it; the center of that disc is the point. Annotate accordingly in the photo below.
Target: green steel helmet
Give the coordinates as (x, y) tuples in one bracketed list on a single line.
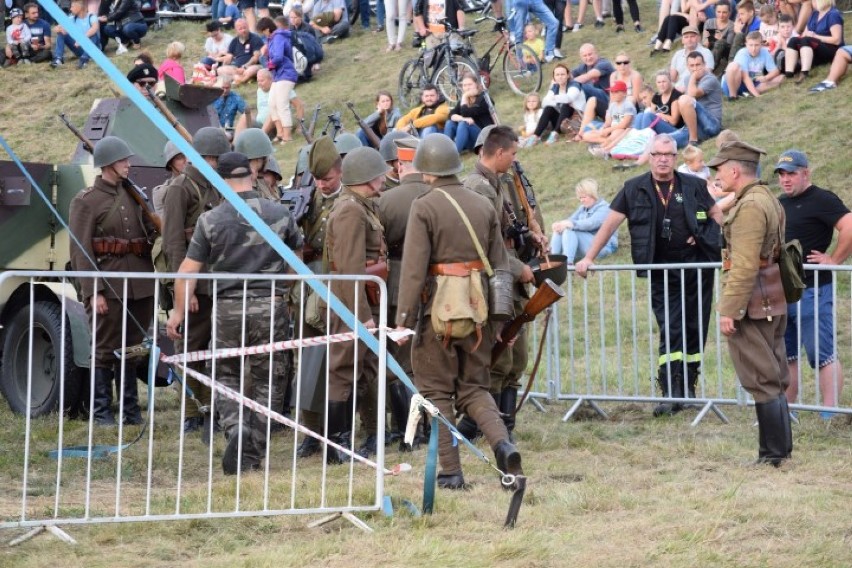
[(437, 156), (387, 148), (346, 142), (109, 150), (272, 167), (480, 140), (211, 141), (170, 152), (302, 161), (363, 165), (254, 143)]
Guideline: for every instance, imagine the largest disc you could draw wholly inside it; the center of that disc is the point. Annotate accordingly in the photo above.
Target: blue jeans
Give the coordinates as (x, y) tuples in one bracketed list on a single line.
[(364, 5), (424, 132), (380, 12), (462, 133), (804, 311), (575, 244), (128, 34), (217, 9), (65, 40), (708, 125), (522, 10), (645, 119)]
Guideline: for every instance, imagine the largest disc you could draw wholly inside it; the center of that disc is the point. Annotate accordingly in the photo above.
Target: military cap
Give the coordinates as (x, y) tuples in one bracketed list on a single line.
[(791, 160), (406, 148), (143, 72), (233, 165), (737, 150), (480, 140), (322, 157)]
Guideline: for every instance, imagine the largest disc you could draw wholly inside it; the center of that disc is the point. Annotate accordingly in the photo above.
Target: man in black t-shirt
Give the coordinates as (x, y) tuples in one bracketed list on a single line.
[(40, 30), (672, 219), (813, 214)]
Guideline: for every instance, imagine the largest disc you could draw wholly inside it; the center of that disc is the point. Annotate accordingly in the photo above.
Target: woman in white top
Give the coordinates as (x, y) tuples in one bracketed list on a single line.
[(564, 98)]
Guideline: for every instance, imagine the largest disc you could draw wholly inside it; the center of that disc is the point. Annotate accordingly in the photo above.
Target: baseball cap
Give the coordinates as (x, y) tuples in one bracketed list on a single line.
[(791, 160), (233, 165), (617, 86), (15, 12), (689, 30)]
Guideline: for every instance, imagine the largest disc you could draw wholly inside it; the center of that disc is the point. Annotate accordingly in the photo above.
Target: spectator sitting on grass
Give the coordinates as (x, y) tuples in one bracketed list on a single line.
[(663, 113), (701, 105), (678, 68), (228, 105), (216, 45), (768, 24), (533, 40), (171, 65), (820, 41), (243, 54), (594, 71), (330, 20), (628, 75), (785, 33), (298, 23), (429, 116), (123, 21), (619, 117), (719, 36), (86, 22), (18, 39), (573, 235), (40, 41), (693, 163), (839, 66), (753, 70), (745, 23), (231, 15), (565, 103)]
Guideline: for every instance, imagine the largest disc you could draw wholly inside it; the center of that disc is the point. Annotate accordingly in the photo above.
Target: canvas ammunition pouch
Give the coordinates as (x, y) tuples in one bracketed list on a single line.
[(459, 305)]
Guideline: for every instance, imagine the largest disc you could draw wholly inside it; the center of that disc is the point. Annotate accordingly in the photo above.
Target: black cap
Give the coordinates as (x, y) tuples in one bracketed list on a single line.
[(143, 72), (233, 165), (213, 26)]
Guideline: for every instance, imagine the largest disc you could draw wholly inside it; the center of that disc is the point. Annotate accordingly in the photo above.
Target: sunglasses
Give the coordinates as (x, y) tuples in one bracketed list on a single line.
[(622, 62)]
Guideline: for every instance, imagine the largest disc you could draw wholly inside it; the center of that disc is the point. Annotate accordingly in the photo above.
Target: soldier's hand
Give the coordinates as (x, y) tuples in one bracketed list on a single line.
[(173, 325), (99, 304), (404, 339), (193, 304), (370, 324), (526, 275), (726, 326), (582, 267)]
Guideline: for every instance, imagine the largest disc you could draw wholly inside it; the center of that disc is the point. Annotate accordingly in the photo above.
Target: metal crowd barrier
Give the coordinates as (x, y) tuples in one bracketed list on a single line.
[(602, 345), (66, 472)]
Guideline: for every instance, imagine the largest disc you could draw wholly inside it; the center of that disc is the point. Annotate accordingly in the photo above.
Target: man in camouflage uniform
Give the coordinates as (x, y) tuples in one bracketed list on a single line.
[(112, 231), (752, 230), (355, 246), (254, 143), (451, 372), (394, 207), (187, 197), (499, 146), (225, 242)]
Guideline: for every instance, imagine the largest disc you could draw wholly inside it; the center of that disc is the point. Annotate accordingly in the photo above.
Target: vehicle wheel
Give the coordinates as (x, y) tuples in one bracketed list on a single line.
[(47, 350), (522, 69), (411, 80), (448, 77)]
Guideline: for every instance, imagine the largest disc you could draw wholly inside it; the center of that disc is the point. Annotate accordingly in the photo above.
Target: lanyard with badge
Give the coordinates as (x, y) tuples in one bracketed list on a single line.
[(666, 232)]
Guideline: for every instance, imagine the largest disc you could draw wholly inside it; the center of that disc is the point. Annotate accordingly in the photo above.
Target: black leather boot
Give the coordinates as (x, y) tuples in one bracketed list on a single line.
[(773, 422), (508, 458), (467, 427), (368, 448), (670, 408), (454, 481), (788, 427), (339, 430), (132, 413), (309, 447), (102, 410), (508, 402), (400, 402)]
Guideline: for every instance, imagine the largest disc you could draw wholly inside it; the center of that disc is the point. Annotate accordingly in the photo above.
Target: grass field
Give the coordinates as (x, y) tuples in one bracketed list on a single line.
[(632, 491)]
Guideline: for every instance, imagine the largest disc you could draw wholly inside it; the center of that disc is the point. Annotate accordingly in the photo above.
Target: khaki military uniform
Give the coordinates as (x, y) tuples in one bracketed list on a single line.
[(758, 352), (457, 375), (106, 215), (391, 183), (188, 196), (259, 185), (315, 225)]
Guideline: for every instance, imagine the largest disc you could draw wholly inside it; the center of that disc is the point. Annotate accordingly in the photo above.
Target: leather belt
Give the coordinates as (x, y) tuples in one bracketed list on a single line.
[(764, 262), (456, 268)]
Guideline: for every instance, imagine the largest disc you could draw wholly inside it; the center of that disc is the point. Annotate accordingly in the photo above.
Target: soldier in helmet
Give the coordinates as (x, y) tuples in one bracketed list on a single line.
[(175, 163), (272, 173), (497, 147), (254, 143), (387, 149), (345, 143), (355, 246), (251, 312), (188, 196), (452, 241), (113, 235), (394, 206)]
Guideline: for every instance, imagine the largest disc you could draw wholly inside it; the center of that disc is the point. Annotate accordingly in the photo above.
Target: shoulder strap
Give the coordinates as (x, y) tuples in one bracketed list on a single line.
[(470, 230), (116, 202)]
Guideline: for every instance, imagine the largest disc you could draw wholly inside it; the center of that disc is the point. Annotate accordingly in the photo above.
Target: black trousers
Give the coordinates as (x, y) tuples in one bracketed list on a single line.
[(553, 118), (618, 11)]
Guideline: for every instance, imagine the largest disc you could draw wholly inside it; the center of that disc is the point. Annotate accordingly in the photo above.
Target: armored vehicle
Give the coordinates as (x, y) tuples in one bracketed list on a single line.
[(33, 239)]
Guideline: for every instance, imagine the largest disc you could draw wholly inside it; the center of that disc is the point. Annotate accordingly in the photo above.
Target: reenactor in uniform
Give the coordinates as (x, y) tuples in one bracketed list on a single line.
[(188, 196), (498, 148), (452, 371), (752, 308), (345, 143), (175, 163), (225, 242), (272, 174), (112, 232), (394, 207), (355, 246), (387, 148), (254, 143)]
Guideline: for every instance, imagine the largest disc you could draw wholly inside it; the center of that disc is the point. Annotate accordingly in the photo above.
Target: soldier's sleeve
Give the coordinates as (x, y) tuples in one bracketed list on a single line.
[(497, 255), (416, 253), (748, 230), (349, 253), (83, 221), (175, 206), (480, 185)]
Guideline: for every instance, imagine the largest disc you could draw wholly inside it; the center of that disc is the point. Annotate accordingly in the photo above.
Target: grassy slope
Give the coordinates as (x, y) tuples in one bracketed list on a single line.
[(630, 492)]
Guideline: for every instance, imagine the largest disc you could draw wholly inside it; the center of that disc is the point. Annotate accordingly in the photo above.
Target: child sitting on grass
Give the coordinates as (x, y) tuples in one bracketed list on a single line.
[(533, 40), (619, 117), (18, 39), (532, 112), (693, 163)]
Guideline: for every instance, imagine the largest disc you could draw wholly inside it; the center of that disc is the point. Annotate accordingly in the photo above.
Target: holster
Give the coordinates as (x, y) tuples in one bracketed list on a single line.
[(375, 268), (767, 296)]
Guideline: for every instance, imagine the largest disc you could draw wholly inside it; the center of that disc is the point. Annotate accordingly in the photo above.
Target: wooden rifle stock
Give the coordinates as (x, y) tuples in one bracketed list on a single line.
[(136, 192), (164, 110), (368, 132), (546, 295)]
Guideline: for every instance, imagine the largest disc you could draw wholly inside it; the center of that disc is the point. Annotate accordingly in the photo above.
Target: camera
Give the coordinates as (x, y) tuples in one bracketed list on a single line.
[(666, 233)]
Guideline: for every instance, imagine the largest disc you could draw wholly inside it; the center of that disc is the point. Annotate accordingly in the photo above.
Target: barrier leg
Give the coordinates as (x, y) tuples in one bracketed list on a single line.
[(576, 406), (347, 515), (54, 530), (707, 408)]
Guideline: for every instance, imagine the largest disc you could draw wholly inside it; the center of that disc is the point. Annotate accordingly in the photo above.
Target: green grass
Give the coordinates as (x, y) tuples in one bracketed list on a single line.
[(631, 491)]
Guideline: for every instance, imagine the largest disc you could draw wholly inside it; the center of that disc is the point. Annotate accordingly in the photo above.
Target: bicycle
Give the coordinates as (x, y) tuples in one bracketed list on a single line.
[(521, 66), (443, 66)]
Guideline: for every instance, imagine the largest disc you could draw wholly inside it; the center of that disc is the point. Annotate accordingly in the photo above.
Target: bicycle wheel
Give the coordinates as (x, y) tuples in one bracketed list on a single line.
[(522, 69), (411, 81), (448, 77)]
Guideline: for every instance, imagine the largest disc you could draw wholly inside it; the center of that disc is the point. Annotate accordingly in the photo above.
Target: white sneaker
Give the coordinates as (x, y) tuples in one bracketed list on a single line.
[(548, 58), (121, 50), (557, 54)]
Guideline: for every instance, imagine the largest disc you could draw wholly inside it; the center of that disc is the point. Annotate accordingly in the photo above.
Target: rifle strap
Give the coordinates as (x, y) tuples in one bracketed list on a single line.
[(470, 230), (537, 361)]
